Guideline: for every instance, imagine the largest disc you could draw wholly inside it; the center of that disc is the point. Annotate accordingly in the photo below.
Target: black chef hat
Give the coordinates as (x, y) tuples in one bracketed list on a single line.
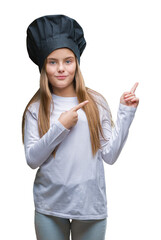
[(48, 33)]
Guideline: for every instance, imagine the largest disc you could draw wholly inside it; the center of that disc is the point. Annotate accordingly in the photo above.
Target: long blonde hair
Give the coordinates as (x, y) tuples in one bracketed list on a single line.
[(83, 93)]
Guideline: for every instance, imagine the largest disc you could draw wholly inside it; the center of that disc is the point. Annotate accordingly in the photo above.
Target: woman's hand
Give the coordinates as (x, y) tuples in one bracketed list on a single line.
[(129, 98), (69, 118)]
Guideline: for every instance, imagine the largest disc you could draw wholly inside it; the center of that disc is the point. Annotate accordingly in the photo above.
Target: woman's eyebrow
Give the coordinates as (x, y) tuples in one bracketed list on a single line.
[(50, 58), (69, 57)]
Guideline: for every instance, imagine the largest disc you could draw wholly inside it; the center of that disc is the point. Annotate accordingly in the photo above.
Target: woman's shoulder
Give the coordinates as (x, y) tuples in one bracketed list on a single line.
[(98, 98), (102, 104), (33, 108)]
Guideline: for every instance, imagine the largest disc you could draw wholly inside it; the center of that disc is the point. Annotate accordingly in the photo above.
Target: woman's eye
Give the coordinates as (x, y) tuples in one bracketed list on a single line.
[(52, 62), (68, 61)]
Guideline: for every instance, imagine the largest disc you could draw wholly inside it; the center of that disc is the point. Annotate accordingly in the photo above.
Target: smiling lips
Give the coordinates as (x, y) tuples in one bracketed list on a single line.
[(61, 77)]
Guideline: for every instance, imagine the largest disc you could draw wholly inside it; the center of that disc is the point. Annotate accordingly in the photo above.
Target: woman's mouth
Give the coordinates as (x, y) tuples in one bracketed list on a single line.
[(61, 77)]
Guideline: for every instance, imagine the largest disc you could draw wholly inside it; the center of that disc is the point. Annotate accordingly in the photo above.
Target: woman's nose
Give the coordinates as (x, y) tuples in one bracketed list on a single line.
[(60, 67)]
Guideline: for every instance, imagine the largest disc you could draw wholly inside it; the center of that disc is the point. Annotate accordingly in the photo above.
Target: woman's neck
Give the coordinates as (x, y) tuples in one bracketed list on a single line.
[(65, 92)]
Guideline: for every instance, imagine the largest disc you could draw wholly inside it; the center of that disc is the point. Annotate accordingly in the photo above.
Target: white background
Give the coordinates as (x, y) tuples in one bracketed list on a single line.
[(123, 46)]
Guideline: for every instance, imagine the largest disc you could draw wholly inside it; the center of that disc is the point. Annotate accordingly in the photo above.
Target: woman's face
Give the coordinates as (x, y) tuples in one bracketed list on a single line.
[(60, 68)]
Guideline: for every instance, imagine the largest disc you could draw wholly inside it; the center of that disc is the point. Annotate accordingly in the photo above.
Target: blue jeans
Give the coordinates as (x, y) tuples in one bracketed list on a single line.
[(55, 228)]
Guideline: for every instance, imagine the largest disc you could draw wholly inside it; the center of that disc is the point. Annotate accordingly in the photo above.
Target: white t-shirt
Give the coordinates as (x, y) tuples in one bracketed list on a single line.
[(73, 184)]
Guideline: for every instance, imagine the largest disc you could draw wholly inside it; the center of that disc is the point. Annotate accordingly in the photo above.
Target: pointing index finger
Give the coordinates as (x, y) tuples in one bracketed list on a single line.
[(134, 87), (76, 108)]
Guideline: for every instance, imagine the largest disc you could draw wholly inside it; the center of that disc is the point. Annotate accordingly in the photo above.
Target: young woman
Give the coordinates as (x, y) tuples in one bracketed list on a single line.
[(67, 133)]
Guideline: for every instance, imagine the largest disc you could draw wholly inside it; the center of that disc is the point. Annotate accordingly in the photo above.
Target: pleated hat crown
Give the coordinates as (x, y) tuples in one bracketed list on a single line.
[(51, 32)]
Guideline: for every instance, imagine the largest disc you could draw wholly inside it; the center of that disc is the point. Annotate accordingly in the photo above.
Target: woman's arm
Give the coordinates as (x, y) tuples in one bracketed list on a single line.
[(116, 137), (37, 150)]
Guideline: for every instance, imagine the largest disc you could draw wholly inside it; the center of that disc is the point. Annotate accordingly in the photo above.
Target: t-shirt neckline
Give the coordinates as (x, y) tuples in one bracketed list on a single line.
[(60, 98)]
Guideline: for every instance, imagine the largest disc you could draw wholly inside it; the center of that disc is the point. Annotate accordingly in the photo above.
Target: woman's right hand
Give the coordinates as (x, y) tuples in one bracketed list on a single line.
[(69, 118)]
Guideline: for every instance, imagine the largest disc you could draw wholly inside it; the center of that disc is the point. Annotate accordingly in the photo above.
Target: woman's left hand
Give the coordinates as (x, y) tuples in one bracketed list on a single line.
[(129, 98)]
